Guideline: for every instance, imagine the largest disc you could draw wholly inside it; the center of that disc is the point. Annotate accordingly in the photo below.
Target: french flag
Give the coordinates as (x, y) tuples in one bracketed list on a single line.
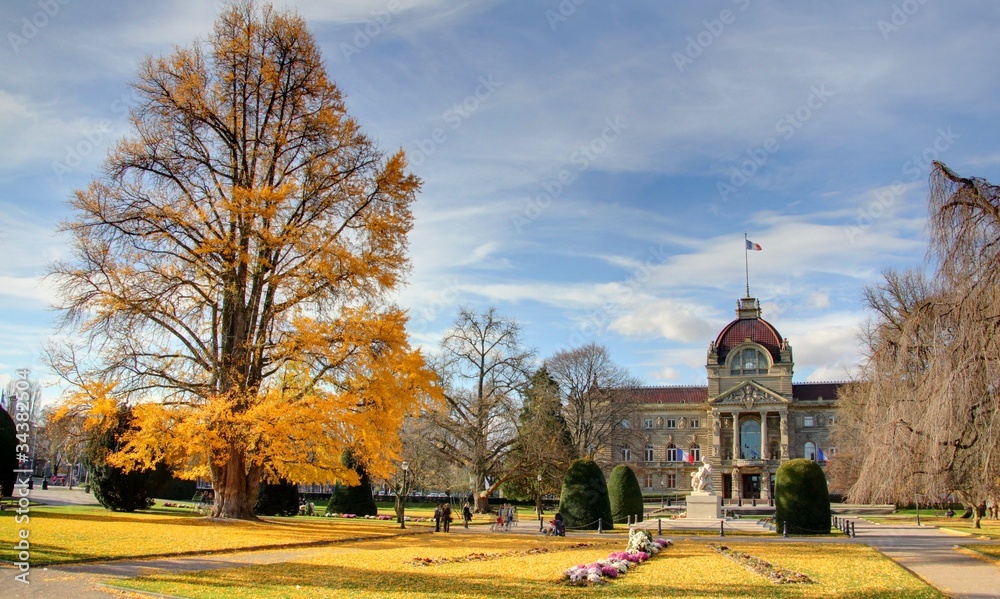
[(820, 456), (753, 246)]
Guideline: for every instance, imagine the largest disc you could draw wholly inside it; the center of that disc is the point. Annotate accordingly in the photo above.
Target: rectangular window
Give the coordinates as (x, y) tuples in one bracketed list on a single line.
[(807, 421), (647, 480), (647, 423), (647, 453), (670, 481), (695, 423), (695, 454), (671, 423), (626, 454), (832, 451)]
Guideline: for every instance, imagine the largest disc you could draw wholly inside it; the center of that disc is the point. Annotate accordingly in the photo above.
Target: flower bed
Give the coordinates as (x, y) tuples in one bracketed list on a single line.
[(764, 568), (640, 548)]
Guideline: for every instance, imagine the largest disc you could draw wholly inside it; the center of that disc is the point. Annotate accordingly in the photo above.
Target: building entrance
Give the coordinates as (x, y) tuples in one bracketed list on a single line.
[(751, 486)]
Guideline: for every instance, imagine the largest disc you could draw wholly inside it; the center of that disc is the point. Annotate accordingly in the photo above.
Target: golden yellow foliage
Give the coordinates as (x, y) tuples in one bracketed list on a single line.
[(231, 270)]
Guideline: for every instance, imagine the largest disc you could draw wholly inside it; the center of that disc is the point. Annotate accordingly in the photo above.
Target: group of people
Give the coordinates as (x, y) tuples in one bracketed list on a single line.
[(506, 517), (443, 519)]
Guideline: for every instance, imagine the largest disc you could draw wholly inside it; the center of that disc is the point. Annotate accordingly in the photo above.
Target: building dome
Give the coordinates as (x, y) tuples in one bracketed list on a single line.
[(748, 326)]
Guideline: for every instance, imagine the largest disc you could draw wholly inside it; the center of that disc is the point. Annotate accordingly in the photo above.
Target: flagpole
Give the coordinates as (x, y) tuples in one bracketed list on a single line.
[(746, 261)]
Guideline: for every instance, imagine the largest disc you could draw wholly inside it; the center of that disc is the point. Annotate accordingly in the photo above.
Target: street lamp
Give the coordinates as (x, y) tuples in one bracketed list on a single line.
[(539, 491), (402, 503)]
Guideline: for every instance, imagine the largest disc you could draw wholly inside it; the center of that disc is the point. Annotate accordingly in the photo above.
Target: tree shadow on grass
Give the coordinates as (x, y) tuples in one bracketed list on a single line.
[(323, 581)]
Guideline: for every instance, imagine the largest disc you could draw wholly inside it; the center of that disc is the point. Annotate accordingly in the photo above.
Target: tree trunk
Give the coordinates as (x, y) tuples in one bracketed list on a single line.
[(235, 488)]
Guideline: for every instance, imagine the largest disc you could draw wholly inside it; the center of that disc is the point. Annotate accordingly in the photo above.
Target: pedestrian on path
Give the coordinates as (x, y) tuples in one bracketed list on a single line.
[(466, 513)]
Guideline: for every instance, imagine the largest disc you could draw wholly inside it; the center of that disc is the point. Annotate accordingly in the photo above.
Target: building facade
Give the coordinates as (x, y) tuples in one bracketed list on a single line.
[(749, 419)]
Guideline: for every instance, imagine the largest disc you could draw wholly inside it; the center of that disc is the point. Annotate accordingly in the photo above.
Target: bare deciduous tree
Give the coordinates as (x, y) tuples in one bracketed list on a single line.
[(597, 397), (483, 366)]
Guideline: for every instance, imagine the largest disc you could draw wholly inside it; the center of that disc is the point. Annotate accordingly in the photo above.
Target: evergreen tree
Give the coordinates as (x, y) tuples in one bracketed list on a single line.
[(114, 488), (277, 499), (356, 500), (584, 500), (625, 494), (8, 453), (543, 446)]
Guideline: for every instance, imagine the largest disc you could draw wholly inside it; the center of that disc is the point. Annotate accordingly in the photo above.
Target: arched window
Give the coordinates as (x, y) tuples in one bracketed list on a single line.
[(750, 440), (647, 453), (695, 452), (810, 451), (626, 454), (749, 361), (671, 452)]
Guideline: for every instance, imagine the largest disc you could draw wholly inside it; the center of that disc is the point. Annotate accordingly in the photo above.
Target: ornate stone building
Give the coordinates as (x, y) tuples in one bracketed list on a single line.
[(748, 419)]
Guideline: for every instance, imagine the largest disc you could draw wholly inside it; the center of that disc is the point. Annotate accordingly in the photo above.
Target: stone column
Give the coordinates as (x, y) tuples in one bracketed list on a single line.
[(716, 433), (736, 435), (765, 474), (783, 414), (763, 435)]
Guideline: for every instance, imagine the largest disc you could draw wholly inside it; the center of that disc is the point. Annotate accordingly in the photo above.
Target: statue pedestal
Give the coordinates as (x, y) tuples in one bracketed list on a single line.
[(704, 506)]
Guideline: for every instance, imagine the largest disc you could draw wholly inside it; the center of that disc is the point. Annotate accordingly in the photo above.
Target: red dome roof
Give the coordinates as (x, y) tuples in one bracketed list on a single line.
[(756, 330)]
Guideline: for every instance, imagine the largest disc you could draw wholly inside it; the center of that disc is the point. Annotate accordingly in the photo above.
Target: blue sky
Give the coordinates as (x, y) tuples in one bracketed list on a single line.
[(589, 168)]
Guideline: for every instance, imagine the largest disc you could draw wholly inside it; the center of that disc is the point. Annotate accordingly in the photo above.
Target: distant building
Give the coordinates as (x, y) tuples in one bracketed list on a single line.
[(749, 419)]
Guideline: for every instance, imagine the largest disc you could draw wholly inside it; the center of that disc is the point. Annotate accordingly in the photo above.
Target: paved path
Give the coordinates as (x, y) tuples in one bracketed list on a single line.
[(928, 552)]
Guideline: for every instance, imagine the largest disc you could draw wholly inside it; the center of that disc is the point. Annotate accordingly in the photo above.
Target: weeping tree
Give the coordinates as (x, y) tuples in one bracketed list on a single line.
[(231, 264), (927, 411)]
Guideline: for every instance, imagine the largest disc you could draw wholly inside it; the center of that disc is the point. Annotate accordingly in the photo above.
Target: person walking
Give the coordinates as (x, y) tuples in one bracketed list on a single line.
[(466, 513), (437, 519), (446, 516)]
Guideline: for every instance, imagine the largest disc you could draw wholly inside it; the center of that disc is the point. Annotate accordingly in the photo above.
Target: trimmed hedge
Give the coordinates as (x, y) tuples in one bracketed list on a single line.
[(801, 497), (584, 498), (625, 494)]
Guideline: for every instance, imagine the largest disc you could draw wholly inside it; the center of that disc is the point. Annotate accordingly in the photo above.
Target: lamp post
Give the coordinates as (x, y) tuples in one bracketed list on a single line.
[(402, 503), (539, 507)]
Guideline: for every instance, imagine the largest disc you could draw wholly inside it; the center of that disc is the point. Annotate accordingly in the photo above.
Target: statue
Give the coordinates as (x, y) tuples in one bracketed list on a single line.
[(701, 480)]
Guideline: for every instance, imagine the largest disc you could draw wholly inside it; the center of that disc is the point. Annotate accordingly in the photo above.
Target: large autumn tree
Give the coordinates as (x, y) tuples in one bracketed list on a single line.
[(231, 264)]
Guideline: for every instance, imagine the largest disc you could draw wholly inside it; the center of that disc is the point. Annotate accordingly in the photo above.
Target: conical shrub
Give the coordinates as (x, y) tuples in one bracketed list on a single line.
[(625, 494), (584, 500)]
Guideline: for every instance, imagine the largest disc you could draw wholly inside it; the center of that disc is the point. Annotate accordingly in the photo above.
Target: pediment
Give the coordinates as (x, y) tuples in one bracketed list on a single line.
[(749, 395)]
